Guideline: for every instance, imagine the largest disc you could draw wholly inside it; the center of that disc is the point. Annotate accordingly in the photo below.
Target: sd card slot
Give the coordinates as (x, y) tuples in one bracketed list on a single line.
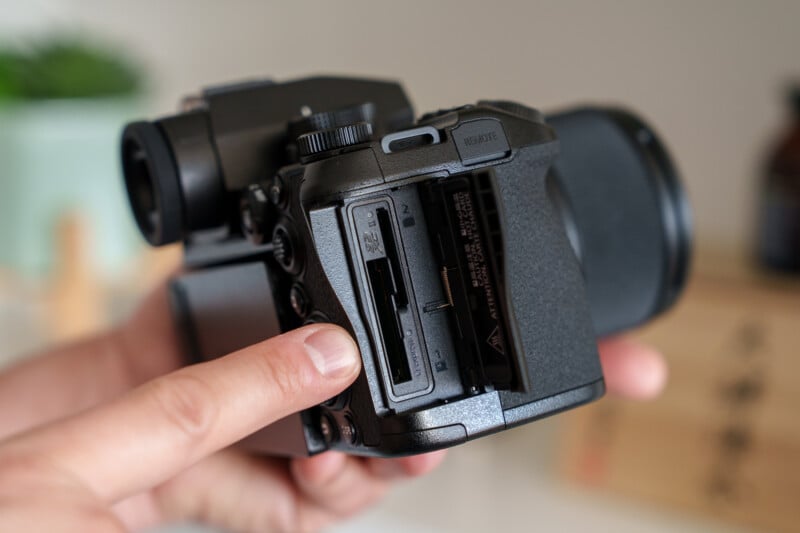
[(385, 225), (406, 367), (384, 287)]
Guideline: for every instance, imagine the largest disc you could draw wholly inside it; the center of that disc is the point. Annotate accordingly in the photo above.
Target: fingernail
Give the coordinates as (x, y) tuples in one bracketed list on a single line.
[(333, 352)]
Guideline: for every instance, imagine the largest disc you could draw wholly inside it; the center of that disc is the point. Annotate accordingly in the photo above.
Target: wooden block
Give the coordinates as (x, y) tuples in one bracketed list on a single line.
[(724, 439), (78, 301), (76, 298)]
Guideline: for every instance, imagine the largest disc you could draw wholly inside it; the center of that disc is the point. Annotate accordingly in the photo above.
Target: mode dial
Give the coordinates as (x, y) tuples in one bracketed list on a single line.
[(320, 141), (326, 120), (330, 130)]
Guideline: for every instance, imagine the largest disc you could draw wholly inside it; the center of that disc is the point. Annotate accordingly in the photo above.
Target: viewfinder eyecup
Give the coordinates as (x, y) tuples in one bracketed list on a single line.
[(151, 180)]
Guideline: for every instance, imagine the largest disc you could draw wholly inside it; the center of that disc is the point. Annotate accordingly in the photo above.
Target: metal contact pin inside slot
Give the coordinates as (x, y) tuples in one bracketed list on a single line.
[(447, 290), (432, 307)]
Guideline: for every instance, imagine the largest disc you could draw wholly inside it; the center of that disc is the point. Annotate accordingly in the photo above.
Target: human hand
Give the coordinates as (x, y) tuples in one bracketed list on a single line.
[(157, 453)]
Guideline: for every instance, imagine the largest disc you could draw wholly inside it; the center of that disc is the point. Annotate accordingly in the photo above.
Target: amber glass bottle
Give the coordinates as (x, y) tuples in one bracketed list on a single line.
[(779, 223)]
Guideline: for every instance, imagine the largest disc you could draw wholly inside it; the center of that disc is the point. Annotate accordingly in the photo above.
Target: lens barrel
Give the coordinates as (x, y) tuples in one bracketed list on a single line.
[(626, 213)]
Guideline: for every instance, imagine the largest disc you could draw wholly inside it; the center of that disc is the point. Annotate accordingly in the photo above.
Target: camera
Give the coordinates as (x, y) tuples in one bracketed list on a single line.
[(475, 254)]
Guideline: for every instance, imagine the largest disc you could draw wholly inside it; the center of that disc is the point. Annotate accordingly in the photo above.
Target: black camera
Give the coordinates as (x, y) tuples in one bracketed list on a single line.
[(475, 255)]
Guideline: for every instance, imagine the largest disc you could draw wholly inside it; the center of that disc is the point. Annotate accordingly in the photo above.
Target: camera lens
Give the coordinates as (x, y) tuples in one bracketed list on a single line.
[(152, 183), (625, 213), (673, 206)]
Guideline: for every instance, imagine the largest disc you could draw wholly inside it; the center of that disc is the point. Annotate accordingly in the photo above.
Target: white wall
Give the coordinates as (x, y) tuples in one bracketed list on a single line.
[(708, 74)]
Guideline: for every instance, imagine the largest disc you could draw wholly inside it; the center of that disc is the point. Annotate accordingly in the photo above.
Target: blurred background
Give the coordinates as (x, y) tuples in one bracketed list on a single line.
[(720, 451)]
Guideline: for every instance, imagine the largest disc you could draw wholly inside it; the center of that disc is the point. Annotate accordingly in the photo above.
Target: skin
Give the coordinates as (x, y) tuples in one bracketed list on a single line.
[(111, 434)]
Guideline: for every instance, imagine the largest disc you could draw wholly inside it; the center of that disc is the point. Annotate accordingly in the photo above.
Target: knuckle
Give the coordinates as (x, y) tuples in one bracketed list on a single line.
[(187, 403), (21, 468)]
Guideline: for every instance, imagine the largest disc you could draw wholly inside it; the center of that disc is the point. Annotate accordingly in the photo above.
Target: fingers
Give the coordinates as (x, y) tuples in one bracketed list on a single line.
[(339, 484), (632, 369), (170, 423), (233, 491), (149, 341), (229, 490), (416, 465), (239, 492), (72, 378), (342, 485)]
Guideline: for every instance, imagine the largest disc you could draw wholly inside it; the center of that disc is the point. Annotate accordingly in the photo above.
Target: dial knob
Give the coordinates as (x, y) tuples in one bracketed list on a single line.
[(330, 130), (326, 120), (286, 248), (316, 142)]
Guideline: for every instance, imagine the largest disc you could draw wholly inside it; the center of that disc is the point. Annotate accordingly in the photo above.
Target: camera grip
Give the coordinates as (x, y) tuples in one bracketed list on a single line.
[(543, 284)]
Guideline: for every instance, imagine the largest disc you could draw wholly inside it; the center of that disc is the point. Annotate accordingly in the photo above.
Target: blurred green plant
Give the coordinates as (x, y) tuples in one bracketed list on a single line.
[(66, 67)]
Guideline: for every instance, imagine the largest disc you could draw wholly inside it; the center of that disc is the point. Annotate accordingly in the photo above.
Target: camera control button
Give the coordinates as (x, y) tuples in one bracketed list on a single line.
[(286, 248), (298, 299), (255, 211), (328, 429), (338, 402), (480, 140), (317, 317), (348, 430), (404, 140)]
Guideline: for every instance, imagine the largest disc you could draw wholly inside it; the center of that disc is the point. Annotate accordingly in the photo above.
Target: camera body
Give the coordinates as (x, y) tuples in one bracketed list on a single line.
[(473, 266)]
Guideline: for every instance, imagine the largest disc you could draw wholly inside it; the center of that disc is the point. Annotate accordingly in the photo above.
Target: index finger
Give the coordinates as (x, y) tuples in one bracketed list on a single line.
[(166, 425)]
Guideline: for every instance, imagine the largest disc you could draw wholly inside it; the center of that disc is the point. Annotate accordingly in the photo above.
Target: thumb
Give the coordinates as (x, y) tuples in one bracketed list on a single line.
[(166, 425)]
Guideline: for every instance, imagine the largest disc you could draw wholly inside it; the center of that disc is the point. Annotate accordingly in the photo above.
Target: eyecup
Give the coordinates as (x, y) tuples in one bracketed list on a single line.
[(151, 181)]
